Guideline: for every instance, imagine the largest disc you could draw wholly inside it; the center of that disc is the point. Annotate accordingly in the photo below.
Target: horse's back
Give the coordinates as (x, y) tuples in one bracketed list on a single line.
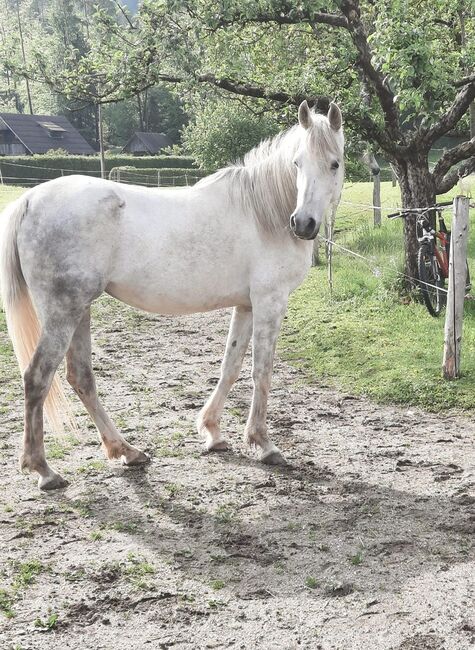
[(166, 251)]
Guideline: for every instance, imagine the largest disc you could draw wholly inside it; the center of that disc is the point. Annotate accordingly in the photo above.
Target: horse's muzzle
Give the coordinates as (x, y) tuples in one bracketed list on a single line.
[(304, 228)]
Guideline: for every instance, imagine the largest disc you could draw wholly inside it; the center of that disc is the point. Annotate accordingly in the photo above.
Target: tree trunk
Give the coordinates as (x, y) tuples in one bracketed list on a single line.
[(417, 191), (145, 110), (141, 115), (20, 32)]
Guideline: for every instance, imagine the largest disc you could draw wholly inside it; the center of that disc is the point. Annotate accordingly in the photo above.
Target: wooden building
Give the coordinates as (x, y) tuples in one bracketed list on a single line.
[(35, 134), (147, 144)]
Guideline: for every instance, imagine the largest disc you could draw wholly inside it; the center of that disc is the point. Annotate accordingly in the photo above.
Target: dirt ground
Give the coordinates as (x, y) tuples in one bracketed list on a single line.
[(364, 541)]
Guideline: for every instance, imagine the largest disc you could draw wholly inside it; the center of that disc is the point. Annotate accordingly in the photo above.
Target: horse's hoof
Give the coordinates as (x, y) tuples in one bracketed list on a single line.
[(53, 482), (219, 445), (273, 458), (135, 458)]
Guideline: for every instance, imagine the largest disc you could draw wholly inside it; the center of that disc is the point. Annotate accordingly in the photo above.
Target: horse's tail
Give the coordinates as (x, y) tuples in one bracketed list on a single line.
[(22, 321)]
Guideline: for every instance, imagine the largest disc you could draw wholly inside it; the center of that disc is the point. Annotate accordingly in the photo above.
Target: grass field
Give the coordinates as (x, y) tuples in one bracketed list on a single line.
[(362, 337), (9, 193)]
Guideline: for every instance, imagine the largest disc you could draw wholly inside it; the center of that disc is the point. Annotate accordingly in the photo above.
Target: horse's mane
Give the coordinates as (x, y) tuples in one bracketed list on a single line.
[(264, 182)]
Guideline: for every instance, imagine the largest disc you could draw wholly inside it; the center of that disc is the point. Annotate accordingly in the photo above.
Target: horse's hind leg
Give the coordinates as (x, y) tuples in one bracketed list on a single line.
[(240, 332), (52, 345), (81, 378)]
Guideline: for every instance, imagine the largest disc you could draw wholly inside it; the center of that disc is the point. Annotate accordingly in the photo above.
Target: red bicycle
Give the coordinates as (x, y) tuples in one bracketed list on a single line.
[(432, 256)]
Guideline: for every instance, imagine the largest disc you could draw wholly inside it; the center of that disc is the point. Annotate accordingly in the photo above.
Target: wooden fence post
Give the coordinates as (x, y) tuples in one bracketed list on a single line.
[(370, 159), (377, 198), (316, 252), (456, 293)]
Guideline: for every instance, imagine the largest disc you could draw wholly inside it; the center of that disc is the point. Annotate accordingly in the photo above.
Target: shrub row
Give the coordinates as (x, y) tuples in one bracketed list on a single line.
[(30, 170)]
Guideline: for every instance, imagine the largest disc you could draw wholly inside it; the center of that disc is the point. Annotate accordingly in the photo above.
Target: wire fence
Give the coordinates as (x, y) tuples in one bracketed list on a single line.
[(172, 176), (376, 269), (13, 182)]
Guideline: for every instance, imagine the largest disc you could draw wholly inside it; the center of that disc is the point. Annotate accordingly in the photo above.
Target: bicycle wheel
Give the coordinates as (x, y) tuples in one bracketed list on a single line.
[(430, 280)]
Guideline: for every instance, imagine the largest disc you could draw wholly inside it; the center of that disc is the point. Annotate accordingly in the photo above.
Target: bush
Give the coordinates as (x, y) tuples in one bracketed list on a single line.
[(31, 170), (356, 171), (223, 132)]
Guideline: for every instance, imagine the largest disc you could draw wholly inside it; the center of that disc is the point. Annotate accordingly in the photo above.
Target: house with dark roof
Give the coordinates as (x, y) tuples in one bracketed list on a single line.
[(147, 144), (28, 134)]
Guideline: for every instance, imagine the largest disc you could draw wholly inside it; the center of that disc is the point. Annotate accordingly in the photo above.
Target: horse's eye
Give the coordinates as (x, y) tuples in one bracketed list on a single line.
[(296, 163), (335, 164)]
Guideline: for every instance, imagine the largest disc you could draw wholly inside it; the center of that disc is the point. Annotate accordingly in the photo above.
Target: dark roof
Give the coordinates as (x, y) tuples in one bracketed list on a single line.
[(33, 133), (152, 142)]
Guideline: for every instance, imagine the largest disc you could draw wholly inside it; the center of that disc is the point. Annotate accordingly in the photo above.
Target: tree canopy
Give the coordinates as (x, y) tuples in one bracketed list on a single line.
[(402, 70)]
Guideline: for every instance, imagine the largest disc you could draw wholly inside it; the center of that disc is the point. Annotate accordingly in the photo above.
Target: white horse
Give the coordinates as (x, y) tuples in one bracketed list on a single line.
[(240, 238)]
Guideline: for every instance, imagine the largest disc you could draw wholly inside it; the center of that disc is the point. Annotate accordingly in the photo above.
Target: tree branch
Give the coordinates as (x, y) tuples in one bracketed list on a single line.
[(249, 90), (287, 16), (464, 81), (351, 10), (452, 178), (125, 15), (371, 132), (363, 122), (451, 117), (452, 157)]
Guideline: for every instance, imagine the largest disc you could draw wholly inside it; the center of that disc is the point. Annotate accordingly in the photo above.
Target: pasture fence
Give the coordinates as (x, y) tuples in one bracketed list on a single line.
[(163, 177), (37, 169), (456, 291)]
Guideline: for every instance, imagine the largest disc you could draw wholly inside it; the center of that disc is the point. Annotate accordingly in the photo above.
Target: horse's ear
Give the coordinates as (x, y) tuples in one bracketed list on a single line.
[(334, 117), (305, 116)]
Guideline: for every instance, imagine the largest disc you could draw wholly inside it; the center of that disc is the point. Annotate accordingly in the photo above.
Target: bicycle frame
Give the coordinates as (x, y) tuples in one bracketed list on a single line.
[(433, 254), (441, 253), (431, 236)]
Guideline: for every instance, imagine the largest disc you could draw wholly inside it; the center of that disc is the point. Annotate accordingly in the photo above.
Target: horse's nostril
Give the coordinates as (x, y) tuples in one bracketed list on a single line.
[(311, 224), (292, 222)]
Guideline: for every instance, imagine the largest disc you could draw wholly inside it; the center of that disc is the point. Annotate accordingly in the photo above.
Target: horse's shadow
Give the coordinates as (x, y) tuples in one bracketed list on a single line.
[(297, 523)]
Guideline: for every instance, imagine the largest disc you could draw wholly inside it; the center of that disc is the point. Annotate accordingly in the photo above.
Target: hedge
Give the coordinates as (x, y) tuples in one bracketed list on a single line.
[(169, 177), (30, 170)]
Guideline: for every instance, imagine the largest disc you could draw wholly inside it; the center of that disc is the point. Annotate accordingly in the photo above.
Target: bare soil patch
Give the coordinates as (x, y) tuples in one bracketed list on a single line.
[(366, 539)]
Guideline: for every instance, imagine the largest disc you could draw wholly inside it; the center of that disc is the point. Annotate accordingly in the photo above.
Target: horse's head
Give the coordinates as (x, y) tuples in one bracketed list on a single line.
[(320, 170)]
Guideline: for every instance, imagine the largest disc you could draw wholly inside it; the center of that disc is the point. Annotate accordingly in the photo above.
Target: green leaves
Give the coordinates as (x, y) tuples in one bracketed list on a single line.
[(223, 132)]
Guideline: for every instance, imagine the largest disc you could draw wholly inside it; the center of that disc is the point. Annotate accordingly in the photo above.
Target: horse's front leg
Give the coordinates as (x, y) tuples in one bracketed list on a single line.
[(240, 332), (268, 314)]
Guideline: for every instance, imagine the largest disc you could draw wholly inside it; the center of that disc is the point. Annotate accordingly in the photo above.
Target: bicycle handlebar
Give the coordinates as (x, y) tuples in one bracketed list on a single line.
[(403, 212)]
